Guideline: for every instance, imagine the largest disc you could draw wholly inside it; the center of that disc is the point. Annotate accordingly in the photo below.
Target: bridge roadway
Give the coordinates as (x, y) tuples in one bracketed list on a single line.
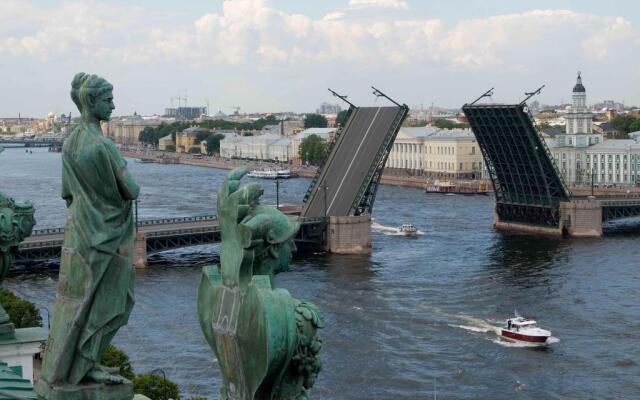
[(160, 235), (357, 153)]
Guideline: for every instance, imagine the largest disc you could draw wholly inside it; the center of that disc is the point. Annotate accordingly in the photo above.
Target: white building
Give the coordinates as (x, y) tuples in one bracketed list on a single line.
[(583, 156), (267, 147)]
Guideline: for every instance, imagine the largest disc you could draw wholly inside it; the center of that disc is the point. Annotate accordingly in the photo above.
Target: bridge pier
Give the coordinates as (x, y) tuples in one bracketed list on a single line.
[(582, 218), (140, 250), (348, 235), (511, 226)]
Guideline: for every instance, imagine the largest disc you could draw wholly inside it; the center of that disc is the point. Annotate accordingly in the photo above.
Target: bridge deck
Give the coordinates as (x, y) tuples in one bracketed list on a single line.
[(161, 235), (359, 150)]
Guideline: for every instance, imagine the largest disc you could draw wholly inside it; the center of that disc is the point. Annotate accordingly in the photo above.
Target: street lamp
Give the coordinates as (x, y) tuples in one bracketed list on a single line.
[(277, 192), (164, 377)]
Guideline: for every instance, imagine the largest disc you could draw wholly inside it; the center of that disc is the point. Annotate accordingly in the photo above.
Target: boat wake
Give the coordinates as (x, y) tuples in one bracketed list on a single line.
[(477, 325), (390, 230)]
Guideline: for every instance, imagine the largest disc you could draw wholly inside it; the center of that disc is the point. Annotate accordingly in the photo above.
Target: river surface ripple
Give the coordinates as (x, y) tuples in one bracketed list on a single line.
[(415, 315)]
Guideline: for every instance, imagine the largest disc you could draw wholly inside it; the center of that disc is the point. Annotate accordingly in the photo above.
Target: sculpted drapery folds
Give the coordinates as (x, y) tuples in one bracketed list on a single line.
[(95, 290)]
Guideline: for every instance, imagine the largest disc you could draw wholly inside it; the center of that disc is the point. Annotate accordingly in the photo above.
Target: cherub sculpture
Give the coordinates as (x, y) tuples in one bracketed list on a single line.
[(265, 340), (16, 223)]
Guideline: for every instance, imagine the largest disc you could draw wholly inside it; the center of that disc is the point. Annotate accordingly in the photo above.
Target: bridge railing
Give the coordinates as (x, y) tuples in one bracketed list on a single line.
[(161, 221), (47, 231), (147, 222)]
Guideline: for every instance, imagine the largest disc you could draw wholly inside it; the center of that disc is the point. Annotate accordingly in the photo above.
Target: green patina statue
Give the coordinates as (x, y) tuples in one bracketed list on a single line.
[(96, 283), (265, 340), (16, 223)]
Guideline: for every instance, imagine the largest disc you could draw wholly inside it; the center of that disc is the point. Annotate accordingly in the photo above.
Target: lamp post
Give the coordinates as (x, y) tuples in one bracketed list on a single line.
[(277, 192), (325, 200), (136, 207), (48, 316), (164, 377)]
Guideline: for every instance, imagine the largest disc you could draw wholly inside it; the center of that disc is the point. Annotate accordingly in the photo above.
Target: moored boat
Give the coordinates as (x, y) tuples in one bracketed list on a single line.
[(448, 187), (270, 174), (522, 329)]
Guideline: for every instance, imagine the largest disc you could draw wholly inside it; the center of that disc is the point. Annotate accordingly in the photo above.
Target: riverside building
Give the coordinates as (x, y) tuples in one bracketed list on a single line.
[(583, 156), (436, 153)]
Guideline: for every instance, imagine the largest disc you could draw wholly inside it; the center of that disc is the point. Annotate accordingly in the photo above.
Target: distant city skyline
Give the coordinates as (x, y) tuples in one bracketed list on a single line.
[(279, 55)]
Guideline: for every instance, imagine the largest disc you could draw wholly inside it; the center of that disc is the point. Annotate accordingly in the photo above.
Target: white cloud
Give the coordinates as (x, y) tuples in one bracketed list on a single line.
[(251, 31), (399, 4), (248, 37)]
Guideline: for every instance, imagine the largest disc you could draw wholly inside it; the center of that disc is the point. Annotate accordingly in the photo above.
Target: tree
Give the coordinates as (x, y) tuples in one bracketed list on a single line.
[(313, 150), (625, 123), (315, 121), (213, 143), (446, 124), (194, 150), (116, 358), (341, 118), (153, 386), (22, 313)]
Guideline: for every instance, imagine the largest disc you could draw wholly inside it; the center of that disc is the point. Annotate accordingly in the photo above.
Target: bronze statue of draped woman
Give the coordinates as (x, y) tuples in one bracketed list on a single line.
[(96, 283)]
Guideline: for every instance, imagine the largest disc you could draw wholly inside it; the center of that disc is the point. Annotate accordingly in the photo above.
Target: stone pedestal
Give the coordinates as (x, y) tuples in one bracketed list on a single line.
[(348, 235), (93, 391), (140, 250), (582, 218), (23, 350)]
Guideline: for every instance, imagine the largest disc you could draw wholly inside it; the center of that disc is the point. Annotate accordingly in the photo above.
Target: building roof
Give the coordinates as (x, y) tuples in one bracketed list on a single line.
[(578, 88), (613, 144), (551, 131), (13, 386), (448, 134), (322, 132)]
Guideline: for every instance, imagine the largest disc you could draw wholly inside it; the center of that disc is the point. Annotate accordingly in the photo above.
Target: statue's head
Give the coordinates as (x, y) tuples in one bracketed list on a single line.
[(93, 96)]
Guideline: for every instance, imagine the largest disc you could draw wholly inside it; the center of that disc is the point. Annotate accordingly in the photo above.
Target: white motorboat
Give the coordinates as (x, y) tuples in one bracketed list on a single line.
[(408, 229), (526, 330)]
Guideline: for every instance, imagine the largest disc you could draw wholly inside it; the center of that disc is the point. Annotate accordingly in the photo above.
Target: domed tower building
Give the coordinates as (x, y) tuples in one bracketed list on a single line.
[(579, 118)]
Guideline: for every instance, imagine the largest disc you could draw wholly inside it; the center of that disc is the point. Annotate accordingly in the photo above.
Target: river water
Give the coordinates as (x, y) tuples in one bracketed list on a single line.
[(415, 317)]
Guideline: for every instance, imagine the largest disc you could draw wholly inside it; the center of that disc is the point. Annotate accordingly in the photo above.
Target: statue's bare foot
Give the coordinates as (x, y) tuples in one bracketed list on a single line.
[(99, 376)]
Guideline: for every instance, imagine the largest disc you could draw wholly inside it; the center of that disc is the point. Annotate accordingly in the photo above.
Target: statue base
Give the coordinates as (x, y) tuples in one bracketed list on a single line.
[(88, 391)]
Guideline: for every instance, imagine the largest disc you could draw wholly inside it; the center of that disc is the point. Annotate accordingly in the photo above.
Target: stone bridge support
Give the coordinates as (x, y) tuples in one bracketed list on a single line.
[(140, 250), (581, 218), (349, 235)]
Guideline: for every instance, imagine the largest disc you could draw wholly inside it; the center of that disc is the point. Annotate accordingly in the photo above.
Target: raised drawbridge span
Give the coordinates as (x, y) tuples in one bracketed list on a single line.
[(346, 184), (529, 190)]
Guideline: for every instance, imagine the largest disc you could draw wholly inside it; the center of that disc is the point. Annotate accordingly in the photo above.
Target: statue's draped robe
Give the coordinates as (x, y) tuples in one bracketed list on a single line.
[(95, 290)]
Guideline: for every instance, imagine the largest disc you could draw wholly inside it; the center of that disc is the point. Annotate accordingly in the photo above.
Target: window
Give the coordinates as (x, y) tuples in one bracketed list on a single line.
[(473, 149)]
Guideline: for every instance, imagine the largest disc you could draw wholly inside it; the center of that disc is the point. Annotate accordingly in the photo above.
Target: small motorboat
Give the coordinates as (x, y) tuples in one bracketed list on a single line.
[(408, 230), (520, 329)]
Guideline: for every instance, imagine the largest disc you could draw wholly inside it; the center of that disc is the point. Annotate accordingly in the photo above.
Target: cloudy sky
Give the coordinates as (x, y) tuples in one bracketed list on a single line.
[(277, 55)]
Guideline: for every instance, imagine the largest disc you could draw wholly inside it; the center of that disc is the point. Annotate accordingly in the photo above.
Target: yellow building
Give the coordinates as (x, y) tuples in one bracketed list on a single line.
[(434, 152), (126, 130), (186, 139), (164, 142), (452, 153)]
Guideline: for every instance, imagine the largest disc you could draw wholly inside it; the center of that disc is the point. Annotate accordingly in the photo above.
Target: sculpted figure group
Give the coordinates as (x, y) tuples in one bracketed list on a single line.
[(265, 340)]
